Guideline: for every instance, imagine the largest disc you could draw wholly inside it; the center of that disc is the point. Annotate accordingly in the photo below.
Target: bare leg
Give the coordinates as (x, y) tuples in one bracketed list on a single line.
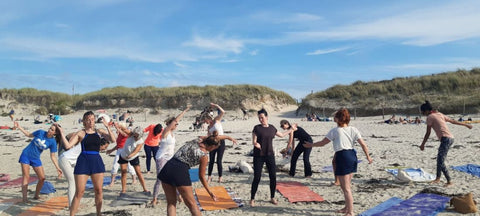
[(41, 179), (345, 184), (171, 196), (140, 177), (123, 168), (97, 180), (80, 182), (26, 177), (187, 193)]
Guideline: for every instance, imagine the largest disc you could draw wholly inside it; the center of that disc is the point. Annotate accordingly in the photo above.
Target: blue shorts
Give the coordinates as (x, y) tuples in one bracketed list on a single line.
[(88, 164), (345, 162), (34, 162)]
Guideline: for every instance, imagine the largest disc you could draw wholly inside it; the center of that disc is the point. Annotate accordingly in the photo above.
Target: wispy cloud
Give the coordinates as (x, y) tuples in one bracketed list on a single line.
[(326, 51), (284, 17), (180, 65), (254, 52), (218, 43)]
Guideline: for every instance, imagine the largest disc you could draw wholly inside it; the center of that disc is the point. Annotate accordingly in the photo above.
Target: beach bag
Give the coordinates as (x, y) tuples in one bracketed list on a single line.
[(464, 204), (245, 167), (402, 177)]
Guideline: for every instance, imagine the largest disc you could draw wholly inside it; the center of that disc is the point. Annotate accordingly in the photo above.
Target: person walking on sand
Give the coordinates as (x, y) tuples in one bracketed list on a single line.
[(262, 139), (214, 124), (302, 137), (122, 136), (437, 121), (30, 156), (166, 149), (175, 175), (151, 143), (343, 138), (132, 147), (89, 162)]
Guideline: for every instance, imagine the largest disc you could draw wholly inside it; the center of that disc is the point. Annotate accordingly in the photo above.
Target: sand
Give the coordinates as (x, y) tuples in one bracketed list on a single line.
[(388, 144)]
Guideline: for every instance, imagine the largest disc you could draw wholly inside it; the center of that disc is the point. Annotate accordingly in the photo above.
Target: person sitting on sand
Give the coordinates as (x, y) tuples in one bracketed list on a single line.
[(133, 145), (175, 175), (41, 140), (343, 138), (437, 121)]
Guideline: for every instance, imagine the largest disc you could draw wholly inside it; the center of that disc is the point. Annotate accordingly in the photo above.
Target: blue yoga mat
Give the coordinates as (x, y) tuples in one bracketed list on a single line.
[(106, 181), (472, 169), (422, 204), (382, 206), (194, 175)]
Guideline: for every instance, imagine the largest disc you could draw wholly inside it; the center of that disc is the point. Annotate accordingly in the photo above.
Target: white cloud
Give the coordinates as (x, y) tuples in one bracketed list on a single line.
[(326, 51), (218, 43), (254, 52), (180, 65), (284, 17)]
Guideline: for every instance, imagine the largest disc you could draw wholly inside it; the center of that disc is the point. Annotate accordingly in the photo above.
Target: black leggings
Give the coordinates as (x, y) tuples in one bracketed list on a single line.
[(257, 173), (306, 159), (219, 152)]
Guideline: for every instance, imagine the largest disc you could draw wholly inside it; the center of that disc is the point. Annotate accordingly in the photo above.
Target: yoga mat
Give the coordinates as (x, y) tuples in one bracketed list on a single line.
[(49, 207), (224, 201), (17, 182), (132, 198), (472, 169), (7, 203), (382, 206), (297, 192), (106, 181), (421, 204), (194, 175), (417, 175)]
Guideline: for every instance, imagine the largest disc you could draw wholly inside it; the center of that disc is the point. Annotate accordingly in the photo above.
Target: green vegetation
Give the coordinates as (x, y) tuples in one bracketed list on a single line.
[(450, 92), (230, 96)]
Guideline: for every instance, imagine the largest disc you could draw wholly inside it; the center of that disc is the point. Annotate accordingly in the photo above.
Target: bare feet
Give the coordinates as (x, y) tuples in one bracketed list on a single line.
[(220, 179), (252, 203), (154, 202), (209, 179), (274, 201), (436, 181), (343, 210), (335, 184), (448, 184)]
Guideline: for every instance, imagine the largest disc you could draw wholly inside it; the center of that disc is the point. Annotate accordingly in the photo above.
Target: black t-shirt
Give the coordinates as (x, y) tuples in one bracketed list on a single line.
[(265, 137), (302, 136)]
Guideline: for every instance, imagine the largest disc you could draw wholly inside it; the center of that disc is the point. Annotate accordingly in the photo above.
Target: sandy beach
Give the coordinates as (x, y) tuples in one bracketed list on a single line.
[(389, 145)]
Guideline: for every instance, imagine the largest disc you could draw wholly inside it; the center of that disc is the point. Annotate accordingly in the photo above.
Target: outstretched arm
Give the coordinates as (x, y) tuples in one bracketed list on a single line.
[(365, 149), (28, 134), (201, 174), (169, 127), (284, 133), (469, 126), (53, 157), (320, 143), (224, 137), (220, 115)]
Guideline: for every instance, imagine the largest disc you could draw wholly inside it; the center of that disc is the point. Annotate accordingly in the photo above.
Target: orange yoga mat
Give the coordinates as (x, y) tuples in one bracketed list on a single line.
[(49, 207), (297, 192), (224, 201)]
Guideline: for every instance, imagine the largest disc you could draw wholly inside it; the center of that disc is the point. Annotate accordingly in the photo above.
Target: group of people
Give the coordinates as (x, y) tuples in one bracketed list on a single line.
[(400, 120), (80, 159)]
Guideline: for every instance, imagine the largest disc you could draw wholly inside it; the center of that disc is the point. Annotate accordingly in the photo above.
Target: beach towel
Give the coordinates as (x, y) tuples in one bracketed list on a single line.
[(49, 207), (194, 175), (414, 174), (18, 182), (381, 207), (132, 198), (4, 177), (224, 200), (106, 181), (7, 203), (472, 169), (47, 188), (297, 192), (421, 204)]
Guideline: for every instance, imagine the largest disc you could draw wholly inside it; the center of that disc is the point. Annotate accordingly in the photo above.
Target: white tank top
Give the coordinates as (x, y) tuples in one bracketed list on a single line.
[(216, 127), (166, 148)]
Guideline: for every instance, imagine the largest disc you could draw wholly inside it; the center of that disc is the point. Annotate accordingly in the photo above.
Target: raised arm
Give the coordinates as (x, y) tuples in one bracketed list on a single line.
[(365, 150), (28, 134), (172, 124), (109, 135), (284, 133), (224, 137), (201, 174), (221, 114)]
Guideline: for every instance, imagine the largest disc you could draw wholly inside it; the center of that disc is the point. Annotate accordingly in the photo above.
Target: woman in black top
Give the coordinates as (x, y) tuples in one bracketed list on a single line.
[(262, 139), (302, 137)]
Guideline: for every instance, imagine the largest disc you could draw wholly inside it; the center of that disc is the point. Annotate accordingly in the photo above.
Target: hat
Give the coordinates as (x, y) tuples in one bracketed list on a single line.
[(138, 130)]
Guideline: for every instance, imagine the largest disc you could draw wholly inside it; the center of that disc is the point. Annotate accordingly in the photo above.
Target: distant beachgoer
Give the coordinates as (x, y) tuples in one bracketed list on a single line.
[(166, 149), (302, 137), (129, 155), (30, 156), (343, 138), (175, 175), (12, 114), (262, 140), (89, 162), (214, 124), (151, 143), (124, 116), (437, 121), (245, 113)]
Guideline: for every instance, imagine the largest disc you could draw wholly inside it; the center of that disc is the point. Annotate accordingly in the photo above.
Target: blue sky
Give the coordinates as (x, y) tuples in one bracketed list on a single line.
[(293, 46)]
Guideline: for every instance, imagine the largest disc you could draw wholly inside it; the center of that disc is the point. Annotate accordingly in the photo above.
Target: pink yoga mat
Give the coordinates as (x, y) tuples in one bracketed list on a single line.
[(17, 182), (298, 192)]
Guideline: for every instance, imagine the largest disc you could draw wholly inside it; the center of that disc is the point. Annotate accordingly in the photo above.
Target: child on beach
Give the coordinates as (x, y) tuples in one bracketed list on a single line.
[(30, 156), (437, 121), (343, 138)]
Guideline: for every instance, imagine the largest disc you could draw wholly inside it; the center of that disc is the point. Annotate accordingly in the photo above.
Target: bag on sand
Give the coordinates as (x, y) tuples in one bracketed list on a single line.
[(244, 166), (402, 177), (464, 204)]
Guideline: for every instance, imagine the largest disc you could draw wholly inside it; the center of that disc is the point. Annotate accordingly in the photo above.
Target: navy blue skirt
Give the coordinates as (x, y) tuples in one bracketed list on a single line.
[(345, 162)]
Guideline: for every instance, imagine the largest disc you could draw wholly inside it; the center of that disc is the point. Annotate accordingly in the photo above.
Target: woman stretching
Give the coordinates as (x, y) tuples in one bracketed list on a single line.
[(302, 137), (343, 138)]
